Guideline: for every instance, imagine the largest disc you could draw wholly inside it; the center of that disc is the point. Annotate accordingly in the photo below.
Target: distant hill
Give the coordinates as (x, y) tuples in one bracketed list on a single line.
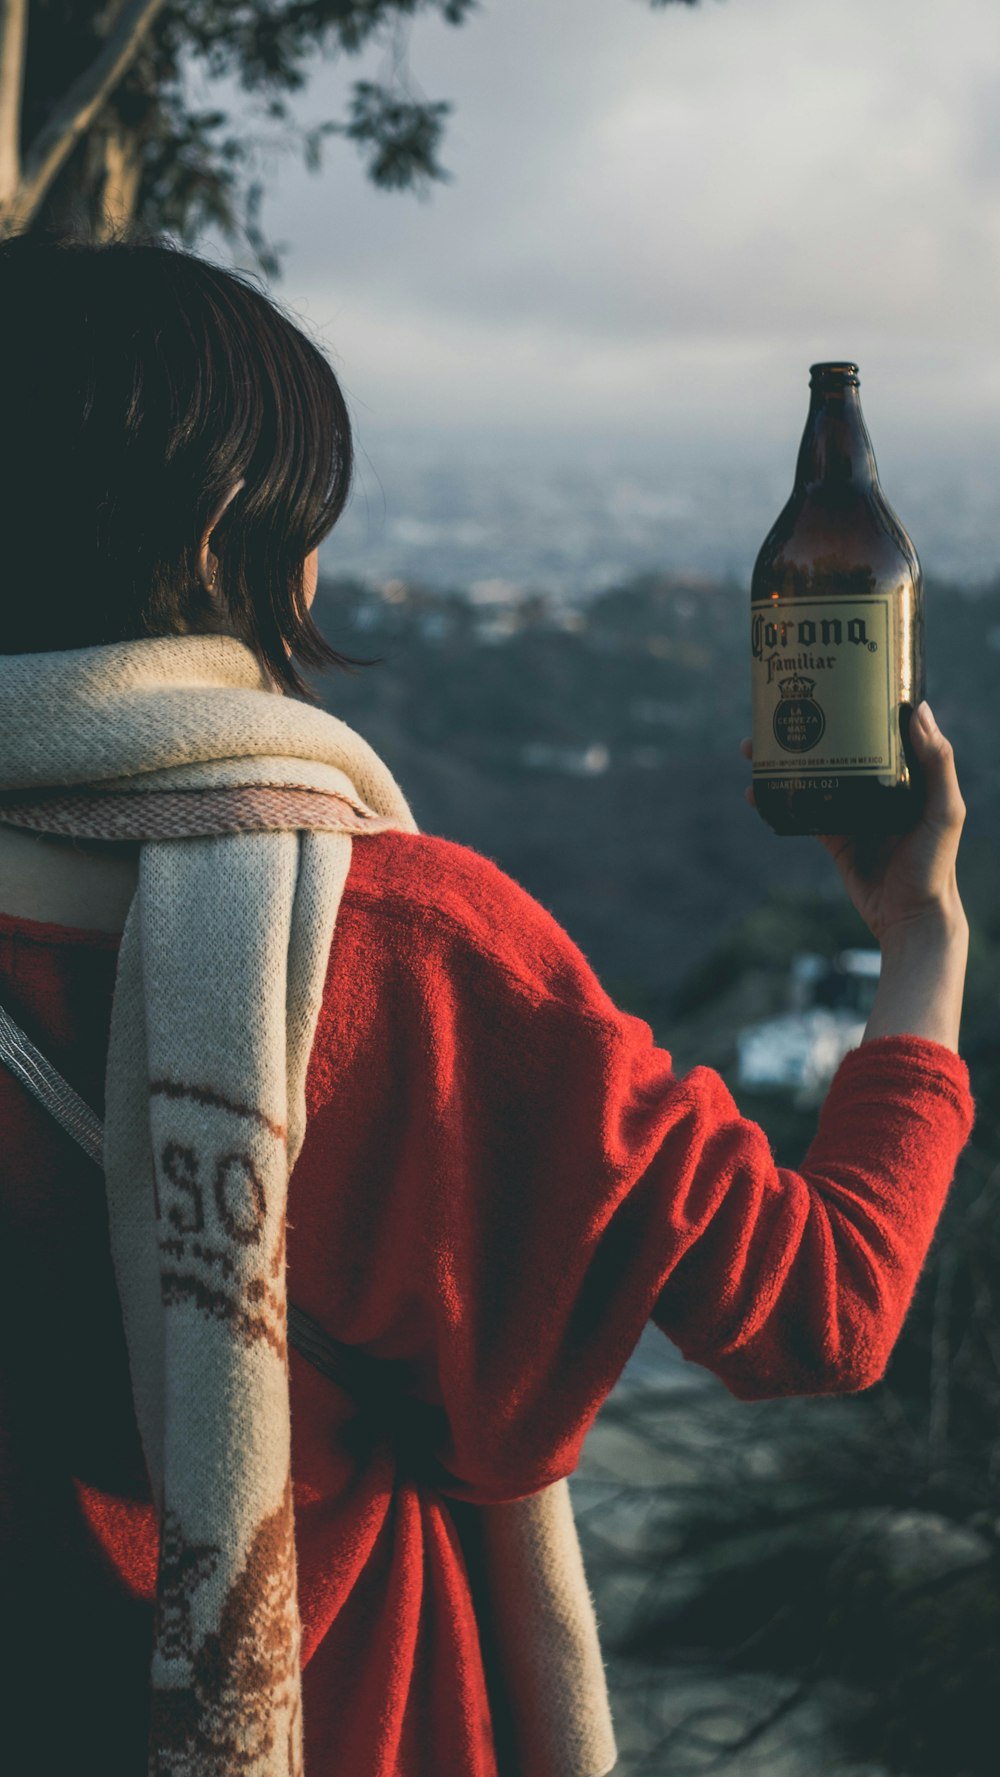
[(592, 752)]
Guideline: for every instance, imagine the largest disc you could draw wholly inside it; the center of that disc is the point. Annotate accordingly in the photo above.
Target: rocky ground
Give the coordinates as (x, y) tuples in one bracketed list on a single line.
[(661, 1434)]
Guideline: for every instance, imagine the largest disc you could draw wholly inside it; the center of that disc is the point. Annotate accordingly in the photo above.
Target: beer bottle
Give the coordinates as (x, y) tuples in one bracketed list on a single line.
[(837, 638)]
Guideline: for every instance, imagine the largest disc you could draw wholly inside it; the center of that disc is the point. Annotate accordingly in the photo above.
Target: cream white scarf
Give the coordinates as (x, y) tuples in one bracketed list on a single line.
[(246, 802)]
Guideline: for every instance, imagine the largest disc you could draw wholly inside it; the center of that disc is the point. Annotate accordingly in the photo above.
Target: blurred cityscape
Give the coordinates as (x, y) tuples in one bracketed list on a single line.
[(491, 518)]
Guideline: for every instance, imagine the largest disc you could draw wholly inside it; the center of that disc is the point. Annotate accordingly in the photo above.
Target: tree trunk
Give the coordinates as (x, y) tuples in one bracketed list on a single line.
[(122, 173), (96, 189), (13, 35), (78, 157)]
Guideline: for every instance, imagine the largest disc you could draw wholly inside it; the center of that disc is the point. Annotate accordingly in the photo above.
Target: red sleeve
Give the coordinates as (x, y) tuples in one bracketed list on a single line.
[(798, 1283), (571, 1187)]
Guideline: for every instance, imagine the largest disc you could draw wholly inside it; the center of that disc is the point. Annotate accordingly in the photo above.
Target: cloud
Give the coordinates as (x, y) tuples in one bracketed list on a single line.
[(661, 217)]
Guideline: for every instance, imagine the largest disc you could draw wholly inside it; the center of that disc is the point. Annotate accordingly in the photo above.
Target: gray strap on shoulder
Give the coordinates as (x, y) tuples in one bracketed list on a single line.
[(37, 1073), (46, 1082)]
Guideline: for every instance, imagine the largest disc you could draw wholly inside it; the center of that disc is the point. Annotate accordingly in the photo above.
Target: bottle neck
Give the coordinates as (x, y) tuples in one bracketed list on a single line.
[(836, 450)]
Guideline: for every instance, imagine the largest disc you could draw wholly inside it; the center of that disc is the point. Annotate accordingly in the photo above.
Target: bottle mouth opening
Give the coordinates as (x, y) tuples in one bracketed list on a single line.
[(837, 374)]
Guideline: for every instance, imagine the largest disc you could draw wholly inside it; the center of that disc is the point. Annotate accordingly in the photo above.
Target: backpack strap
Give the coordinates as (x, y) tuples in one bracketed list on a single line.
[(35, 1071), (364, 1376)]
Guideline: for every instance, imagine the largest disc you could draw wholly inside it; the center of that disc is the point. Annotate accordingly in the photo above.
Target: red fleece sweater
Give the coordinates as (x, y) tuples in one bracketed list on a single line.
[(502, 1181)]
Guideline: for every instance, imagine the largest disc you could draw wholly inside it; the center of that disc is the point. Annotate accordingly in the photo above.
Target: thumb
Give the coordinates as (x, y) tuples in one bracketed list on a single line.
[(944, 806)]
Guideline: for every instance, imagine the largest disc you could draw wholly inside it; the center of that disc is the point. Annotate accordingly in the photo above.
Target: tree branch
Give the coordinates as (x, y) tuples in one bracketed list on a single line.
[(75, 112), (13, 38)]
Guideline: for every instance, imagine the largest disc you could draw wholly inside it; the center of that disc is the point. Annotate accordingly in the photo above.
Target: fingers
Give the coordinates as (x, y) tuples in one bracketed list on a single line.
[(944, 807)]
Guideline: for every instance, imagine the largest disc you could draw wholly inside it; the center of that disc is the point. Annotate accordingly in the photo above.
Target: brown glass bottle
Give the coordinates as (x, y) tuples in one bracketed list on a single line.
[(837, 637)]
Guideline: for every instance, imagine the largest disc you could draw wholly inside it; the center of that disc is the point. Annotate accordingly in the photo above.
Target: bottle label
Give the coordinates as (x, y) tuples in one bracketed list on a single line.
[(824, 697)]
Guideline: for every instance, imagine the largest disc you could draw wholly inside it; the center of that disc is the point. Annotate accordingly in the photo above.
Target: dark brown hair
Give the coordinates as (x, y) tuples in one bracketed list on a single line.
[(138, 382)]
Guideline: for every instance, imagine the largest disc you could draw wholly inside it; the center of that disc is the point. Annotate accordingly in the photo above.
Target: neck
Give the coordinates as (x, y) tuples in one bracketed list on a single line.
[(62, 886), (836, 449)]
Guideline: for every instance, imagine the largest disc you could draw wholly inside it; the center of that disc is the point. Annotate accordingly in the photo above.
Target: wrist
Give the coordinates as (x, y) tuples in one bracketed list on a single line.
[(941, 925), (922, 980)]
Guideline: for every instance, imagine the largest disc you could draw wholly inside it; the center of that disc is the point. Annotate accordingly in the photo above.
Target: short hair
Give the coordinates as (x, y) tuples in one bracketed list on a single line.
[(138, 382)]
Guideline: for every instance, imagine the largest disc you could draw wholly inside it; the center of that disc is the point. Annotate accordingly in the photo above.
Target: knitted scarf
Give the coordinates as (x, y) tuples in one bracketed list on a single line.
[(246, 803)]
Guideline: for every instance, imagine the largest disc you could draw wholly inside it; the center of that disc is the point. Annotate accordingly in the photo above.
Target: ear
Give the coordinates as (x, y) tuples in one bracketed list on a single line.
[(206, 560)]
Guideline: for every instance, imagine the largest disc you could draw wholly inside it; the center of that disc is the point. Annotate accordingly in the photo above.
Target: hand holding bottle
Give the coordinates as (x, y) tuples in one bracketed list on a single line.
[(904, 882), (906, 891)]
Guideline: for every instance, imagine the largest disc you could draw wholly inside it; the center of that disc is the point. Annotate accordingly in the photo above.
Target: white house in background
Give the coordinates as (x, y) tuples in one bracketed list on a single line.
[(546, 756), (799, 1052)]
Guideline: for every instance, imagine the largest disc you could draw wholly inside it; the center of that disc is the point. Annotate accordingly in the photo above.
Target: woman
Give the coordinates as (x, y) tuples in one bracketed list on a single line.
[(275, 990)]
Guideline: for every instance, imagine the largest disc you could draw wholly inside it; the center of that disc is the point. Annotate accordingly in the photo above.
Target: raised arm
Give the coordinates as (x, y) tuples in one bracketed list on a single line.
[(906, 891), (798, 1283)]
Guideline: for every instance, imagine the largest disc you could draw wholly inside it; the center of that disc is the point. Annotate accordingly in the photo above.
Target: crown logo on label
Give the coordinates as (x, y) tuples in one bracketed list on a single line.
[(796, 687)]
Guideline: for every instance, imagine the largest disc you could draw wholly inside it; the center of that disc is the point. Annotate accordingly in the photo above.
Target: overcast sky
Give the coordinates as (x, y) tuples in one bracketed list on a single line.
[(658, 220)]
